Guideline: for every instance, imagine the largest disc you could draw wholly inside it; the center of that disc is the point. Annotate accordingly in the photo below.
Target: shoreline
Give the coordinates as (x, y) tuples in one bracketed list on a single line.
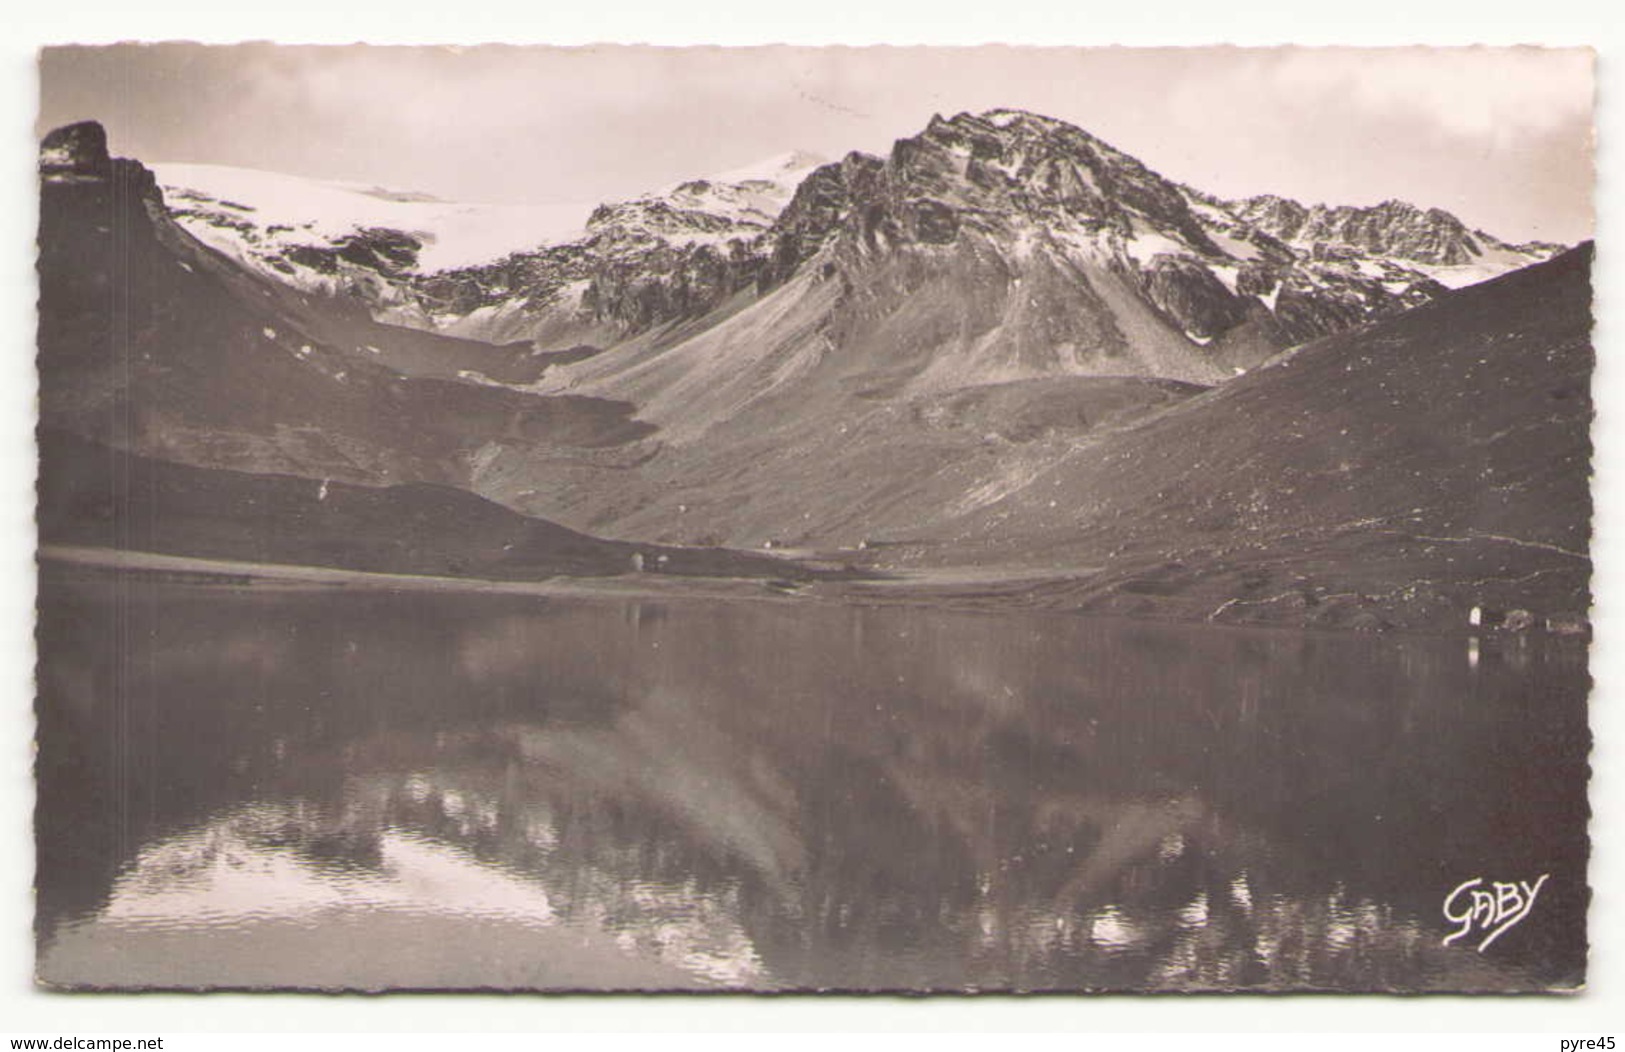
[(987, 591)]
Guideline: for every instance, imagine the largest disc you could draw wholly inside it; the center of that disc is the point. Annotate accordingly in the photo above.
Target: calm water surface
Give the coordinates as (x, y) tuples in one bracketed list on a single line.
[(259, 788)]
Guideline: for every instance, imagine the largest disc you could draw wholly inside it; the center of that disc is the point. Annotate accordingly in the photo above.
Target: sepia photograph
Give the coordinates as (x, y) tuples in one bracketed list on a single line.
[(798, 519)]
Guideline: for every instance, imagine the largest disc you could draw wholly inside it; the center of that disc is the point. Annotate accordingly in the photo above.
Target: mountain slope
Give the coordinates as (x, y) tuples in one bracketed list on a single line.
[(570, 274), (150, 341), (1009, 246), (92, 496), (1401, 474), (1002, 253)]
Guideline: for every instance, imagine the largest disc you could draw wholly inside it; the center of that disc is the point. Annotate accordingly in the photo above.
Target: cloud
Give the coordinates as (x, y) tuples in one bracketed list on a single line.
[(1498, 134), (1495, 95)]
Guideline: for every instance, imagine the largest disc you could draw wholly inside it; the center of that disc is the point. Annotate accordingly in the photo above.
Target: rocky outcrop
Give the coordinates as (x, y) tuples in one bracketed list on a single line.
[(628, 274), (1017, 180), (1190, 294), (820, 205), (652, 285), (1398, 229), (98, 261), (77, 154), (75, 150), (1280, 217), (1393, 229)]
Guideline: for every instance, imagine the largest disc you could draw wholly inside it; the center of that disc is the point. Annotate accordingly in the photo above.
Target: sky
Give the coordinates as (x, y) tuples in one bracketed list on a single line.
[(1500, 136)]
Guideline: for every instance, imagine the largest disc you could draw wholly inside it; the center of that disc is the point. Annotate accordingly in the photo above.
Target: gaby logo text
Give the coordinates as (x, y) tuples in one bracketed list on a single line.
[(1489, 909)]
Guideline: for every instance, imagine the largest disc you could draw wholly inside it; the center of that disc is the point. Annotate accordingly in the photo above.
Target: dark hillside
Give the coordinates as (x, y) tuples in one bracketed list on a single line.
[(1398, 474), (149, 341), (92, 496)]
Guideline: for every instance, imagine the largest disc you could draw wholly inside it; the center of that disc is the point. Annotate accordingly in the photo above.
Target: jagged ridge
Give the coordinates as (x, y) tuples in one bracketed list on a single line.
[(1254, 275)]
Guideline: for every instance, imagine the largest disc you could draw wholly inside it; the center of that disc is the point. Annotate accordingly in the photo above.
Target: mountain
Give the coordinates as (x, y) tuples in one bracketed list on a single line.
[(1238, 280), (305, 231), (567, 273), (1009, 246), (1399, 475), (189, 406), (149, 341), (1005, 347), (1433, 241), (1002, 260)]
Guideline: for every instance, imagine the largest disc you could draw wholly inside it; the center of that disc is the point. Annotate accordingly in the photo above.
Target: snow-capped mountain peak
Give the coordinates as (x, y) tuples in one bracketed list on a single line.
[(1430, 241), (418, 260), (739, 203), (784, 170), (1255, 274), (269, 218)]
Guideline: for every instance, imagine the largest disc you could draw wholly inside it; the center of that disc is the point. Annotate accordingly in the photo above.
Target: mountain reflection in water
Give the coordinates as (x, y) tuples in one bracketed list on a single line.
[(369, 790)]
